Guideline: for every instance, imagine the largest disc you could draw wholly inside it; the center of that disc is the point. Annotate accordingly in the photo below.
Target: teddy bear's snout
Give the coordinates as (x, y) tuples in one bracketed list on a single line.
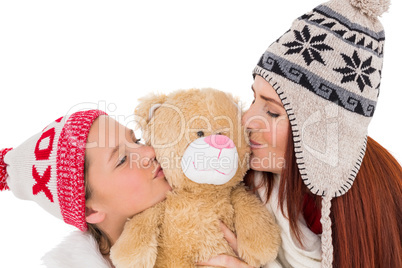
[(210, 160), (219, 141)]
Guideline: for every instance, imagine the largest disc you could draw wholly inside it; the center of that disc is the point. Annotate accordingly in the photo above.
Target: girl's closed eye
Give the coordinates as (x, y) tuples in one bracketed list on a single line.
[(122, 161)]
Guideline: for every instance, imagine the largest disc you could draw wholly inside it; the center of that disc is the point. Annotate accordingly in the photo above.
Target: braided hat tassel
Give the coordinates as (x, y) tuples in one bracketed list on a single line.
[(326, 238), (3, 169)]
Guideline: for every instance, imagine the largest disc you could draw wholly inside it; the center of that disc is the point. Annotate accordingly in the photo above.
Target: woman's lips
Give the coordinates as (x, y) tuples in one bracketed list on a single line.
[(254, 144)]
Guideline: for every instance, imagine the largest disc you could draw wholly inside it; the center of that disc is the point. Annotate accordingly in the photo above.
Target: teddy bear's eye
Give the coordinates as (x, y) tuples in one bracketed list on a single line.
[(200, 134)]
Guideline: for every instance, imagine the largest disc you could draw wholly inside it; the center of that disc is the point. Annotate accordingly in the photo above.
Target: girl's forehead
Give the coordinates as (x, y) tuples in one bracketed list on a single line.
[(107, 132)]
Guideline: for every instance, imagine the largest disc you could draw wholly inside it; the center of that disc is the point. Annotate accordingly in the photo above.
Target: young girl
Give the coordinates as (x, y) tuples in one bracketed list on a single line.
[(92, 173), (335, 192)]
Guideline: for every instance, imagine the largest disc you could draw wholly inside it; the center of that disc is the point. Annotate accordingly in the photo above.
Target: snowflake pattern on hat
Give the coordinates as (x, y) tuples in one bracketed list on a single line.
[(356, 70), (309, 46)]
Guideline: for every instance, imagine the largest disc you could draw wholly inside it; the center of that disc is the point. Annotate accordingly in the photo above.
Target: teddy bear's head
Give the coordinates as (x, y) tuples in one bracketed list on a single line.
[(197, 136)]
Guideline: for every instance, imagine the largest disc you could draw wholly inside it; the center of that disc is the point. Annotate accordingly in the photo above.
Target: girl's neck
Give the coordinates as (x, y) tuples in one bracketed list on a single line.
[(113, 227), (113, 230), (107, 257)]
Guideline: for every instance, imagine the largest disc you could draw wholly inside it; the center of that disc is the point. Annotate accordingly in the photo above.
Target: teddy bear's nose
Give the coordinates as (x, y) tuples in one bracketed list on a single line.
[(219, 141)]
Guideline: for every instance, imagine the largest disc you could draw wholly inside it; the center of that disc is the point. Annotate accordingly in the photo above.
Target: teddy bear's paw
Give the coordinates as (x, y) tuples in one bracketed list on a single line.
[(134, 251), (257, 258), (261, 249), (258, 235), (122, 257), (138, 243)]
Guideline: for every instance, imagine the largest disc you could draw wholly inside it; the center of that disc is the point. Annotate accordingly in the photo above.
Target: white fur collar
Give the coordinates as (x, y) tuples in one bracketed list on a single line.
[(78, 249)]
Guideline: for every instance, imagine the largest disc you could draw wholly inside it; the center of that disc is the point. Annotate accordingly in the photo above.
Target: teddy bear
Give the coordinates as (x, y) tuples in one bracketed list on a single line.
[(204, 152)]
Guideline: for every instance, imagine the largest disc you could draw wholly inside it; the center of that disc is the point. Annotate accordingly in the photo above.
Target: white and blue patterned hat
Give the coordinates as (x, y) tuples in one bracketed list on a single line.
[(326, 70)]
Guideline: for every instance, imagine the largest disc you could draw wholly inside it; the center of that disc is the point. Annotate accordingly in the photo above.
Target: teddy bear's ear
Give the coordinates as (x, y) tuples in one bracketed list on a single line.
[(147, 106), (236, 100)]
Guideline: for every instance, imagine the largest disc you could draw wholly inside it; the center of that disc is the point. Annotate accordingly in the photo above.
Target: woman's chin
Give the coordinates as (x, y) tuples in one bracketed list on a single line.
[(273, 165)]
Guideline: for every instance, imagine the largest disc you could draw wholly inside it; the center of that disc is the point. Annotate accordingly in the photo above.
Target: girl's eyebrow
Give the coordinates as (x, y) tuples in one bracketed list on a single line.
[(268, 98), (117, 148), (132, 134), (114, 151)]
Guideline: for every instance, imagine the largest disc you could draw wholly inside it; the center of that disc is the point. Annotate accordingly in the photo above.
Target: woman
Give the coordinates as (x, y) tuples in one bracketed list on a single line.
[(371, 241), (315, 92), (121, 178)]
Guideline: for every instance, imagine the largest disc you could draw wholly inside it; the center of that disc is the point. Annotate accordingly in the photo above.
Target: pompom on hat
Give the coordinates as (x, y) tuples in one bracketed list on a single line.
[(48, 168), (326, 70)]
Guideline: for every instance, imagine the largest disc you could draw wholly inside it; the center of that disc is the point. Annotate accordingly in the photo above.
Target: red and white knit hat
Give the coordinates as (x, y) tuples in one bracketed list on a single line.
[(48, 168)]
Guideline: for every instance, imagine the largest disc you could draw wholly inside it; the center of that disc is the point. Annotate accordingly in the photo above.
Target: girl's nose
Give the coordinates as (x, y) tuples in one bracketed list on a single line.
[(148, 155)]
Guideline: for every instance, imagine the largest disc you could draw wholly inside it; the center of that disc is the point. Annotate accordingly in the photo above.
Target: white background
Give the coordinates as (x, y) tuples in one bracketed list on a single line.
[(55, 56)]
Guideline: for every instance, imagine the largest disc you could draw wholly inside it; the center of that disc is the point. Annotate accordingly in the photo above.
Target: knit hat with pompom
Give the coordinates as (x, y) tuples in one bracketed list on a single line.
[(326, 70), (48, 168)]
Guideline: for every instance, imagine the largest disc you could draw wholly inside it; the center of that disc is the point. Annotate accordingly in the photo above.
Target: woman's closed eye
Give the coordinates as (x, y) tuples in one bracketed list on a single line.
[(273, 115)]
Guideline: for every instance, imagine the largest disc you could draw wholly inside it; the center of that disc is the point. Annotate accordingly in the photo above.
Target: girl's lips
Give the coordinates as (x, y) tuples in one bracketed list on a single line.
[(159, 173)]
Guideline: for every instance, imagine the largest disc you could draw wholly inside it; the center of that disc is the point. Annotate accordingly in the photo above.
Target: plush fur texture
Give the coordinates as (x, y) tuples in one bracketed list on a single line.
[(78, 250), (184, 229)]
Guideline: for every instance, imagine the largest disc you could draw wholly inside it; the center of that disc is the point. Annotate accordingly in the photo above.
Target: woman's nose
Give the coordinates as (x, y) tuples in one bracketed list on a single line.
[(249, 120)]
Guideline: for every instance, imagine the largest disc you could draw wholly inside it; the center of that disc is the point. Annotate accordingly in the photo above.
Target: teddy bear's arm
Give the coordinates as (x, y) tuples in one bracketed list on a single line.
[(258, 236), (138, 243)]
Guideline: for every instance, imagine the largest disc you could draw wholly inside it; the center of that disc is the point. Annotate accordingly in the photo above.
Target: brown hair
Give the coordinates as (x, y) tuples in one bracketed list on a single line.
[(100, 237), (366, 221)]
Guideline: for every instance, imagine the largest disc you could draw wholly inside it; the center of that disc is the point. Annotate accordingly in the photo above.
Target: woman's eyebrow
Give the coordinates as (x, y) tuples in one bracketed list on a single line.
[(268, 98)]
